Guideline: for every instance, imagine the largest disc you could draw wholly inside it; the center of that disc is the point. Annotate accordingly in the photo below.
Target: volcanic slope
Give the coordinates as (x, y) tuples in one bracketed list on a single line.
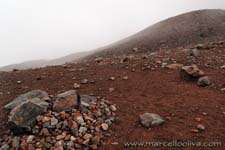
[(149, 86), (185, 30)]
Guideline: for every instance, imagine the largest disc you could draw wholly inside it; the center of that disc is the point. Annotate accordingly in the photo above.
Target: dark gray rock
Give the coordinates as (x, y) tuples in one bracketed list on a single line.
[(40, 102), (23, 117), (149, 120), (36, 96)]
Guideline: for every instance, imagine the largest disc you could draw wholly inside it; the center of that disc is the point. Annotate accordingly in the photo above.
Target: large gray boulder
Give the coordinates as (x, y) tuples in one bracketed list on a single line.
[(36, 96), (150, 120), (66, 101), (23, 117)]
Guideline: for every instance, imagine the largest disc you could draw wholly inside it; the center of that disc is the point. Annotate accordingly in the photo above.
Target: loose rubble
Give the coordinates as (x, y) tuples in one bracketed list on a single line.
[(71, 128)]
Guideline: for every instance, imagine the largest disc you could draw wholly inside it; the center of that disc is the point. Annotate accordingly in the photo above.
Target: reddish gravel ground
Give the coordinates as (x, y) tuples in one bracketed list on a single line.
[(159, 91)]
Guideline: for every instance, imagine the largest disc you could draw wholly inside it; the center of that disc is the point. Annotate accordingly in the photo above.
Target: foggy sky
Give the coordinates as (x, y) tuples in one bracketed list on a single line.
[(43, 29)]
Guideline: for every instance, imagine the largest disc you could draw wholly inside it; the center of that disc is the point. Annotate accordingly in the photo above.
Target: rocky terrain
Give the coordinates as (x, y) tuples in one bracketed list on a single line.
[(68, 121), (165, 83), (177, 94), (185, 30)]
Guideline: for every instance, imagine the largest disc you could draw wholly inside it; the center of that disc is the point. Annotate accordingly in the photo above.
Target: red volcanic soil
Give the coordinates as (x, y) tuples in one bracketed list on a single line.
[(155, 90)]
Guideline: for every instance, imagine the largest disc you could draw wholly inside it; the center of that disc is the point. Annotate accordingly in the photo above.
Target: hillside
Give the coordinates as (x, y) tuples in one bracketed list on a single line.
[(136, 84), (165, 84), (44, 63), (184, 30)]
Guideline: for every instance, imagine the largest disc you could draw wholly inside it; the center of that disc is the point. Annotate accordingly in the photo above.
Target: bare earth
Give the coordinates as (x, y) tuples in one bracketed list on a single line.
[(159, 90)]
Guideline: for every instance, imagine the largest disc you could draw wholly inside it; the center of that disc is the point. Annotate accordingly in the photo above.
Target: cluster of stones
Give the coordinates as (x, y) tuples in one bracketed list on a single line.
[(80, 125), (194, 73)]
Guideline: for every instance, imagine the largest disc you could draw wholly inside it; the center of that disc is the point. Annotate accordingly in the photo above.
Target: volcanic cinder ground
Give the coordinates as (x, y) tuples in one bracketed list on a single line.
[(150, 87)]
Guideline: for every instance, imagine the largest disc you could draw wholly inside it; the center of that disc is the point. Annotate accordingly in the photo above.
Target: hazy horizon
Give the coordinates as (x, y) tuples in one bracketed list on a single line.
[(33, 30)]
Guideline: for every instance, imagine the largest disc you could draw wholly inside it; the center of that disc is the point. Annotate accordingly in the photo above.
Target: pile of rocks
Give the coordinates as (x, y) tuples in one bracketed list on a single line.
[(194, 73), (82, 123)]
